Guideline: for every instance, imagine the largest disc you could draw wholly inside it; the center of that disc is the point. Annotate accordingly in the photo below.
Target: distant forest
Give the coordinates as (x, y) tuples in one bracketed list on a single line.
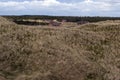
[(60, 18)]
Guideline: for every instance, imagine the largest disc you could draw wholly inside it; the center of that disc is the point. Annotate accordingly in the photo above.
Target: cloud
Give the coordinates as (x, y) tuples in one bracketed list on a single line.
[(57, 7), (38, 4)]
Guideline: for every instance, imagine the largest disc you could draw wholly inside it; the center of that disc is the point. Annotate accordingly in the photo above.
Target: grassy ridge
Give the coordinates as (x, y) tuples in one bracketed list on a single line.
[(87, 52)]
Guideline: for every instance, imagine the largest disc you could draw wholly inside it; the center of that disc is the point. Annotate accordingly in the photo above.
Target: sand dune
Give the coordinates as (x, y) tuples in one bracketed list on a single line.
[(87, 52)]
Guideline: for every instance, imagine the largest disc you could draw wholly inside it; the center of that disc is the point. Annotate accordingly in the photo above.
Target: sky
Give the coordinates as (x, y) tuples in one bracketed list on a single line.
[(61, 7)]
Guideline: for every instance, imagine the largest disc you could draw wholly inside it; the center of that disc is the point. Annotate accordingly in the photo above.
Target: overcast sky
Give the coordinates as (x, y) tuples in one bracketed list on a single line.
[(61, 7)]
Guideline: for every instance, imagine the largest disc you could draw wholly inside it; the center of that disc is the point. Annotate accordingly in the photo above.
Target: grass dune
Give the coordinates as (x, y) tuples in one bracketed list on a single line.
[(87, 52)]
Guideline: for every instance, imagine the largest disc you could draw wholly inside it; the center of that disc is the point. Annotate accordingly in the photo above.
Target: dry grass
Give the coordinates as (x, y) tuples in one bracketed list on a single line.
[(87, 52)]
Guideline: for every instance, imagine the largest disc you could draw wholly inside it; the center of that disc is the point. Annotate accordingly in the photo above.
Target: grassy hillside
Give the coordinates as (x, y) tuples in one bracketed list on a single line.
[(87, 52)]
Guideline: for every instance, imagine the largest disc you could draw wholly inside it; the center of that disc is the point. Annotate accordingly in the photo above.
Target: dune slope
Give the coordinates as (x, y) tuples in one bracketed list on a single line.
[(87, 52)]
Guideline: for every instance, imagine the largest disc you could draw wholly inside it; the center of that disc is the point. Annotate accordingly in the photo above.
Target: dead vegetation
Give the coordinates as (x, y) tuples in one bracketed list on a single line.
[(87, 52)]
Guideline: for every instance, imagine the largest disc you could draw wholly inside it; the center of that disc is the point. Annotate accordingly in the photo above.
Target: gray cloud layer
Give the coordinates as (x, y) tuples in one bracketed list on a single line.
[(86, 7)]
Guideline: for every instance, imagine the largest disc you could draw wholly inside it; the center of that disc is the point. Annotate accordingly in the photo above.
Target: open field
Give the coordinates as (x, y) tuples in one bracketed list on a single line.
[(79, 52)]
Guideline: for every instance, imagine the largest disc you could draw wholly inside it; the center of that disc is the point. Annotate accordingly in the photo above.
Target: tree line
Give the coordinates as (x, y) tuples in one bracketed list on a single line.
[(60, 18)]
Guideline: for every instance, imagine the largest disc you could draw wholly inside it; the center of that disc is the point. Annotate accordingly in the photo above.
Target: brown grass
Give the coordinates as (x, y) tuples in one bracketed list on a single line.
[(87, 52)]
